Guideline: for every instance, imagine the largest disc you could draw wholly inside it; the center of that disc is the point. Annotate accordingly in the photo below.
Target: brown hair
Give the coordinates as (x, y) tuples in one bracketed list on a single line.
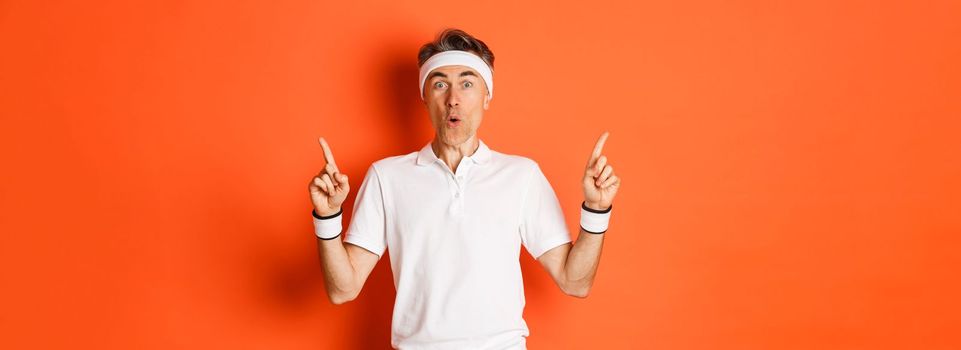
[(455, 39)]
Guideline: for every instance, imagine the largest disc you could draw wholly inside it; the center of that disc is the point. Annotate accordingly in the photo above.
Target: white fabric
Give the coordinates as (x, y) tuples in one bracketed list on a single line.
[(457, 58), (454, 242), (594, 222), (328, 228)]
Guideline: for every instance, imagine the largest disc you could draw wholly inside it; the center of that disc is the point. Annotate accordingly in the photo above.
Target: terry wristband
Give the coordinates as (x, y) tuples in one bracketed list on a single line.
[(327, 227), (594, 221)]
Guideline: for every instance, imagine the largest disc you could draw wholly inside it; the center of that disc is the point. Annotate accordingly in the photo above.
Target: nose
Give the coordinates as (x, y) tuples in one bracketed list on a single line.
[(453, 98)]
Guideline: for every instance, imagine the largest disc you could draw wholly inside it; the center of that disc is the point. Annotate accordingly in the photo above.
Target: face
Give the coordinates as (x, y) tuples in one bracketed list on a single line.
[(456, 97)]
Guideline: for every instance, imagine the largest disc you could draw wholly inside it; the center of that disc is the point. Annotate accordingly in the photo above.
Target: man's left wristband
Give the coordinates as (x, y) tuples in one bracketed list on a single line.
[(327, 227), (595, 221)]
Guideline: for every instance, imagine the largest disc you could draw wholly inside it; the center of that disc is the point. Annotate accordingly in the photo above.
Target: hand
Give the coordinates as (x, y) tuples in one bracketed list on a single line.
[(329, 188), (600, 183)]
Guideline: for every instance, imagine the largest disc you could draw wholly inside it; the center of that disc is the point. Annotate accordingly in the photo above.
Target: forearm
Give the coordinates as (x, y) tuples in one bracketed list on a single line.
[(339, 274), (582, 261)]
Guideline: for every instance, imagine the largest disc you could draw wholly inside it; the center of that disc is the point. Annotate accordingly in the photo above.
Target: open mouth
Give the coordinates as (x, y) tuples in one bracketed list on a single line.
[(453, 121)]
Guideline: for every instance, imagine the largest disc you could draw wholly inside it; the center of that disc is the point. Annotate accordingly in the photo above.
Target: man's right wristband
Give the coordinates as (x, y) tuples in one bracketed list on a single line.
[(327, 227)]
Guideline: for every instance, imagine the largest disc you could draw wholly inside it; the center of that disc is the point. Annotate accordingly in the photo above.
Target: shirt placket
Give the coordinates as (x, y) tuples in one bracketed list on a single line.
[(457, 182)]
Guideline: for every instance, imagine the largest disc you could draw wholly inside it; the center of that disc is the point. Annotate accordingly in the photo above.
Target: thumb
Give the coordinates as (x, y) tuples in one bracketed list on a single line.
[(342, 184), (590, 172)]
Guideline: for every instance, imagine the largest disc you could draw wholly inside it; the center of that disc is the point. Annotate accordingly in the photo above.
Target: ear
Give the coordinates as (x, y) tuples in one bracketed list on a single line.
[(487, 101)]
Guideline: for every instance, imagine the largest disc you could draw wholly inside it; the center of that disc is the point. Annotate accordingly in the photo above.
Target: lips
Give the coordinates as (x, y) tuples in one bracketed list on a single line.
[(453, 121)]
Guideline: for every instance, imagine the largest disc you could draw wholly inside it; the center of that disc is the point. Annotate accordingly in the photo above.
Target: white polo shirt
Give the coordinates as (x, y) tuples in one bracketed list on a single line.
[(454, 241)]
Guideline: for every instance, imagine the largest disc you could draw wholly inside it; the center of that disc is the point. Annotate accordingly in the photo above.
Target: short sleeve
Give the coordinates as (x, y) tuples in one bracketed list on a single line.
[(542, 223), (367, 227)]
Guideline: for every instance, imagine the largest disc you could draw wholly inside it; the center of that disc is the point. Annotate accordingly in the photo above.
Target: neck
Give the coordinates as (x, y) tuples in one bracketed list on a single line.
[(453, 154)]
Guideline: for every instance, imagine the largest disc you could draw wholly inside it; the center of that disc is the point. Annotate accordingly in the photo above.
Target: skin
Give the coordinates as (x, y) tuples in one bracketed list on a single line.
[(459, 91), (455, 91)]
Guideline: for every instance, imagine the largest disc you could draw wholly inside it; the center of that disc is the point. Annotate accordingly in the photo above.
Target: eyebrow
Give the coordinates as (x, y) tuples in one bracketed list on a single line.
[(442, 75)]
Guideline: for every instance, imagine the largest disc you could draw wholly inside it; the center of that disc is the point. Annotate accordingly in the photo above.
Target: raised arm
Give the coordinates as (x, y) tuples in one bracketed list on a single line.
[(345, 266), (573, 267)]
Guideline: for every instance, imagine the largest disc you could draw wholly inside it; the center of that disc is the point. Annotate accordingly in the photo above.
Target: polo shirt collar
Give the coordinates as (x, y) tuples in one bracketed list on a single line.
[(481, 156)]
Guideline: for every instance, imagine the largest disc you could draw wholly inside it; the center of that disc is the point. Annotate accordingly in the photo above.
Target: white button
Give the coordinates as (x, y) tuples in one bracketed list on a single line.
[(457, 195)]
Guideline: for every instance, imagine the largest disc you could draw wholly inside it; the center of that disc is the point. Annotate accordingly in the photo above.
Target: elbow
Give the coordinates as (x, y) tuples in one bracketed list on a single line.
[(341, 298), (578, 291)]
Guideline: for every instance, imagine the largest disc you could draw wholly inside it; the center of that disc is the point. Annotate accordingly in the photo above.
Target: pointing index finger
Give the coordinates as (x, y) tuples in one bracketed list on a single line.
[(598, 147), (328, 156)]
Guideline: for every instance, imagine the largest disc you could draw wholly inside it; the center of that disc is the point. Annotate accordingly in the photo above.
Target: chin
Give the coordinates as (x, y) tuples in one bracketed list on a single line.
[(453, 139)]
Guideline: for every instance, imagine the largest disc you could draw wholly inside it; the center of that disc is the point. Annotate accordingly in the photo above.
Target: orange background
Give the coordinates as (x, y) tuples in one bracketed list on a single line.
[(792, 171)]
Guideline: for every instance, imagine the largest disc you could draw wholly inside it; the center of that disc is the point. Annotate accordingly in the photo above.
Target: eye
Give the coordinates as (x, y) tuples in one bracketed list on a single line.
[(468, 84), (439, 85)]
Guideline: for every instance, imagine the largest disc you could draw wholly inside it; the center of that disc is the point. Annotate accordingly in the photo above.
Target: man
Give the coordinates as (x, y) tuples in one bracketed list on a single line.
[(454, 216)]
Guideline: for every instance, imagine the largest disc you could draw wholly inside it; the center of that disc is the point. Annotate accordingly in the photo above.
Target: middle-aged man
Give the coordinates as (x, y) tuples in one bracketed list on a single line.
[(454, 216)]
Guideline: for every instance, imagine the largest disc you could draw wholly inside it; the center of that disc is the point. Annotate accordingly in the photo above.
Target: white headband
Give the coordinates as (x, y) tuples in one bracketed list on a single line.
[(457, 58)]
